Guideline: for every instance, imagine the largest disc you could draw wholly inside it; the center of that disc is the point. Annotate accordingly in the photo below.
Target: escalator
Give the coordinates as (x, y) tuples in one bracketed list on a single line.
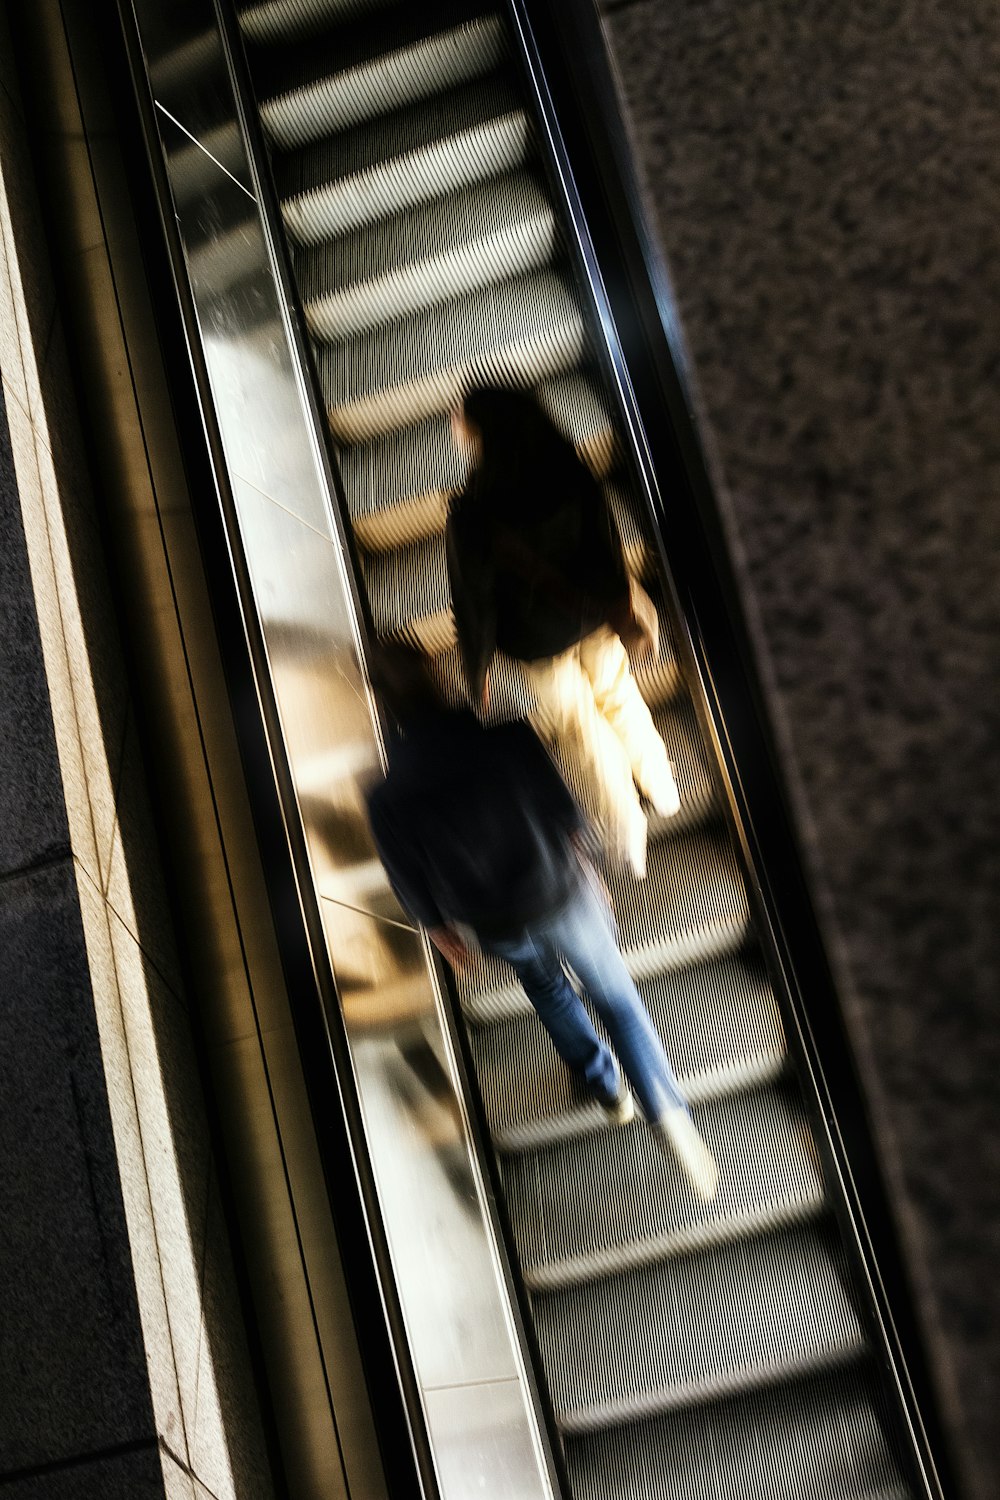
[(704, 1351), (694, 1350)]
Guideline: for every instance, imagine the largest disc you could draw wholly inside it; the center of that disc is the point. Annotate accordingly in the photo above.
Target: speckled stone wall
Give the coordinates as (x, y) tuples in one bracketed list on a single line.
[(825, 181)]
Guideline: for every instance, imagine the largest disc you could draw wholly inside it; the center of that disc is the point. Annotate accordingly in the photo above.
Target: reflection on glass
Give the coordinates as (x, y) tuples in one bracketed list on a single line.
[(417, 1137), (190, 81), (257, 398), (381, 974), (324, 708), (444, 1268), (444, 1256)]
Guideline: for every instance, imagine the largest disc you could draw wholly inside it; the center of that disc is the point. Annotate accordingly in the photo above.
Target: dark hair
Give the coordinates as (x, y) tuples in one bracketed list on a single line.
[(401, 676), (518, 437)]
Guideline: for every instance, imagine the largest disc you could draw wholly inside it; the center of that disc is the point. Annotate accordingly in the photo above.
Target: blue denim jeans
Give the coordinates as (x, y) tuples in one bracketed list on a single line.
[(581, 935)]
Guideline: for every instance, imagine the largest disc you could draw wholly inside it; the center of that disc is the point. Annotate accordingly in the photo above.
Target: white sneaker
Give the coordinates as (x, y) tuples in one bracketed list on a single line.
[(679, 1131), (621, 1109)]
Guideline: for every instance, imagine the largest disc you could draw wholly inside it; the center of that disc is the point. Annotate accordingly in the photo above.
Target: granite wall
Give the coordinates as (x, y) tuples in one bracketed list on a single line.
[(825, 183), (123, 1362)]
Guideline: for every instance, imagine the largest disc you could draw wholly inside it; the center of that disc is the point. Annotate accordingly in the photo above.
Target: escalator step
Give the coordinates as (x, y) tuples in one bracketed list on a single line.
[(281, 20), (406, 584), (691, 882), (719, 1023), (613, 1201), (821, 1439), (318, 90), (691, 906), (579, 409), (517, 332), (354, 33), (410, 582), (489, 992), (678, 728), (403, 468), (397, 487), (386, 165), (623, 507), (746, 1314), (426, 255)]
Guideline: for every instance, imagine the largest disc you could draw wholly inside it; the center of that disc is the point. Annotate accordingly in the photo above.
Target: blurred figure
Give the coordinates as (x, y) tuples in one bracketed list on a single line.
[(536, 569), (480, 838)]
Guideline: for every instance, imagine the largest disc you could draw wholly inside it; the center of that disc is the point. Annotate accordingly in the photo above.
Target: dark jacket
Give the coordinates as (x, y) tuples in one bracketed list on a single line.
[(473, 825), (534, 565)]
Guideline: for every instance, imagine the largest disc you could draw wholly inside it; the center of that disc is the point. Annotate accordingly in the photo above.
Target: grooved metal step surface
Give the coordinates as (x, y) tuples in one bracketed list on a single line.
[(280, 20), (697, 1328), (575, 1224), (818, 1439), (401, 468), (384, 166), (719, 1024), (386, 80), (488, 991), (426, 255), (517, 331), (410, 582), (397, 487), (692, 881)]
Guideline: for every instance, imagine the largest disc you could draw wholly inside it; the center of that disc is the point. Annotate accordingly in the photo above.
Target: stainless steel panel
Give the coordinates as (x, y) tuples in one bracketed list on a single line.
[(441, 1246), (381, 970), (299, 584), (266, 444), (484, 1445), (189, 79), (257, 394)]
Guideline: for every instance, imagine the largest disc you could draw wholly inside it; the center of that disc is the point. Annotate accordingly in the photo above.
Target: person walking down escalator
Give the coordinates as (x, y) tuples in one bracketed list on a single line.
[(537, 571), (482, 843)]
